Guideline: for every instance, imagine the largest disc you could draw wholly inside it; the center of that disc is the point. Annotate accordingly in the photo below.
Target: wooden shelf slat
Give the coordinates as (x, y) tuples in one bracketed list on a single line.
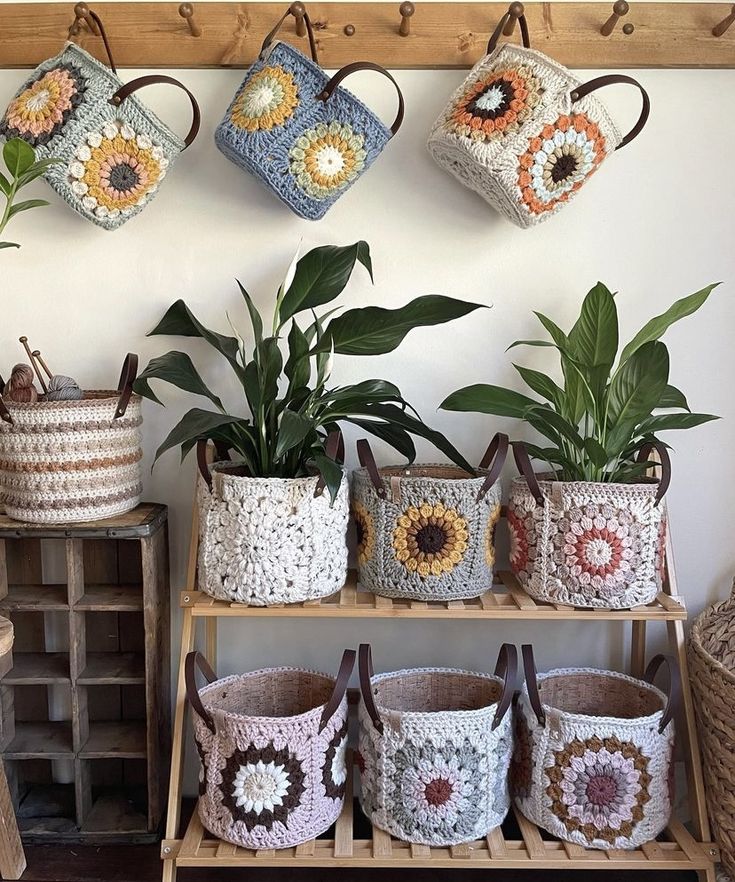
[(38, 668), (107, 668), (125, 739), (46, 739), (110, 598), (147, 517), (35, 597)]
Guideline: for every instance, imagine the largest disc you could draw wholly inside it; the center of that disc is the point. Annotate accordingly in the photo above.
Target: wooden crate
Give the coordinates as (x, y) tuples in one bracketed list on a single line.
[(85, 704)]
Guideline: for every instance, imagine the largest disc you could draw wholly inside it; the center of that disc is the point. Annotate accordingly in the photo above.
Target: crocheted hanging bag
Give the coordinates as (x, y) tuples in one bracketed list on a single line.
[(524, 132), (712, 675), (593, 757), (272, 746), (114, 151), (435, 747), (264, 541), (301, 134), (588, 544), (427, 532), (70, 461)]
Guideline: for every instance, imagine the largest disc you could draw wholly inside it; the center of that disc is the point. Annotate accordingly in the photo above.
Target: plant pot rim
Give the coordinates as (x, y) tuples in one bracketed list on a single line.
[(225, 468), (413, 472), (546, 478)]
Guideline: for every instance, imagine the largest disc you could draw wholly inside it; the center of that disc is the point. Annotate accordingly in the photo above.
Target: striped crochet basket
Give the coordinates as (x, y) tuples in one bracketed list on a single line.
[(69, 461), (272, 746), (592, 762), (434, 750)]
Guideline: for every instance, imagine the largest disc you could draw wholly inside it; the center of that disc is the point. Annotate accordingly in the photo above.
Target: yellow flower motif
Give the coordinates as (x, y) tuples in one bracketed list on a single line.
[(430, 539), (490, 536), (267, 100), (327, 158), (365, 532)]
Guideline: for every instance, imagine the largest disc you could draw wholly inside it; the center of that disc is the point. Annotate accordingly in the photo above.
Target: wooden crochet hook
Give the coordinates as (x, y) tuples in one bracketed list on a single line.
[(34, 365)]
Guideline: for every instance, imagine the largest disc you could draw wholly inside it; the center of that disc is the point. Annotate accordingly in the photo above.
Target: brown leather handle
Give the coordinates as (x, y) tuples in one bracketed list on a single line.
[(673, 705), (367, 461), (103, 34), (150, 80), (609, 80), (365, 671), (5, 415), (507, 668), (364, 65), (193, 661), (340, 687), (496, 454), (531, 677), (309, 30), (523, 461), (493, 41), (125, 384), (334, 449), (643, 454)]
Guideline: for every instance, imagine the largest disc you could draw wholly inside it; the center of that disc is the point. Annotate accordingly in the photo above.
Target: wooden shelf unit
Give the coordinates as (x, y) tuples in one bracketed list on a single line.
[(88, 680), (519, 844)]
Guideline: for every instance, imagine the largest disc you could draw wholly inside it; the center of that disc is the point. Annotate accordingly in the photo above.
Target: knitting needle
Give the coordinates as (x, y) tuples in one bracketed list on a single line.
[(37, 354), (24, 341)]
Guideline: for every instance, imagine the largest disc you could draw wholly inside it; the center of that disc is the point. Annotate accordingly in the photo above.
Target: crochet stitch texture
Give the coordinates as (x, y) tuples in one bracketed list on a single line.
[(307, 152), (512, 134)]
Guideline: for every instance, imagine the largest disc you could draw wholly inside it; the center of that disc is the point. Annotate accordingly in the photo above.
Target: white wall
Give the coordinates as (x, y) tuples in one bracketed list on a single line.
[(655, 224)]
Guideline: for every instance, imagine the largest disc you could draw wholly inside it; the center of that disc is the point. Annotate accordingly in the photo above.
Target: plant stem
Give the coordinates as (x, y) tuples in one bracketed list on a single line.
[(8, 205)]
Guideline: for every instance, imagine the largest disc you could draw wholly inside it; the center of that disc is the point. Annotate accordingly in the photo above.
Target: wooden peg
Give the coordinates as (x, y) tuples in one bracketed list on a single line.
[(186, 10), (406, 9), (620, 8), (81, 14), (349, 30), (515, 11), (722, 27), (298, 11)]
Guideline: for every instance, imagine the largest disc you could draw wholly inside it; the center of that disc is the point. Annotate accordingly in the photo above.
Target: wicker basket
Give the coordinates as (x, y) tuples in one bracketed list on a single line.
[(272, 745), (712, 675), (427, 532), (68, 461), (592, 762), (434, 750)]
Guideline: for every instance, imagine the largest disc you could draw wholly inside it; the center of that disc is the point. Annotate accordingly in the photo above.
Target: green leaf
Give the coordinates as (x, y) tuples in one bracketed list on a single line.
[(331, 472), (531, 343), (25, 206), (178, 369), (398, 438), (594, 337), (635, 391), (38, 169), (321, 275), (4, 184), (596, 452), (9, 245), (196, 424), (374, 330), (293, 429), (251, 385), (658, 325), (179, 321), (343, 397), (482, 398), (255, 320), (18, 155), (298, 367), (542, 417), (672, 397), (555, 332), (540, 384), (665, 422)]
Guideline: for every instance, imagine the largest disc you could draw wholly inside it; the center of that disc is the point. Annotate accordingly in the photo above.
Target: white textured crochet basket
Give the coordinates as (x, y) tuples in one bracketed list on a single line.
[(427, 532), (434, 750), (592, 762), (70, 461), (588, 544), (524, 132), (272, 746)]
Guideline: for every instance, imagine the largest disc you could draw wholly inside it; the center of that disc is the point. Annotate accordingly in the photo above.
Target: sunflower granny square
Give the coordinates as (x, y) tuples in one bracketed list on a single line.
[(307, 151), (113, 157)]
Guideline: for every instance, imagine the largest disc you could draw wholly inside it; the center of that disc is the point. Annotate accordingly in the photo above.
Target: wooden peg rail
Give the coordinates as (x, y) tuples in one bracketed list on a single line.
[(440, 35)]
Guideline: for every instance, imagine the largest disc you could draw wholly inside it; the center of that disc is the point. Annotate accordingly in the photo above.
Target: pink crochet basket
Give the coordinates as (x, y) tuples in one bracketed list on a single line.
[(272, 745)]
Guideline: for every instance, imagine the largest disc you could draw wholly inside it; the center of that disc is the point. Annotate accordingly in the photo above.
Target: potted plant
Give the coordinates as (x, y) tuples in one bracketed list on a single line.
[(22, 168), (591, 532), (267, 532)]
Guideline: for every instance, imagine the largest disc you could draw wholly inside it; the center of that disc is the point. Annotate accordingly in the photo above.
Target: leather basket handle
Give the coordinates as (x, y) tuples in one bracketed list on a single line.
[(125, 384), (309, 30), (103, 34), (493, 41), (673, 705), (367, 461), (193, 661), (340, 687), (529, 672), (334, 449), (6, 416), (496, 454), (523, 461), (221, 452), (365, 670), (507, 668), (646, 449), (364, 65), (152, 79), (609, 80)]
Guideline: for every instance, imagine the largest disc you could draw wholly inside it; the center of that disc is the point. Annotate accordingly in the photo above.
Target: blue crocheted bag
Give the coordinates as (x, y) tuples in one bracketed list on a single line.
[(301, 134), (114, 151)]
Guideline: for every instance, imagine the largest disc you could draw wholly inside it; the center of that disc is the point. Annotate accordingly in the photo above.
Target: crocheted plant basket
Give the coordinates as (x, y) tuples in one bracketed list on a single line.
[(588, 544), (68, 461), (712, 675), (525, 133), (427, 532), (299, 132), (592, 762), (115, 151), (272, 746), (434, 750)]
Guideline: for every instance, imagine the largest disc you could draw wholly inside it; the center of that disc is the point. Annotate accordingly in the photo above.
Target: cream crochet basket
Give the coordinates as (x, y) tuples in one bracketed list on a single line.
[(588, 544), (592, 762), (427, 532), (525, 133), (70, 461), (434, 750)]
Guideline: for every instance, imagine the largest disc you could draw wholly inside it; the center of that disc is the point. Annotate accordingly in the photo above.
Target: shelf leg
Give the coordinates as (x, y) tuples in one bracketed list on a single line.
[(12, 856), (210, 641), (638, 649)]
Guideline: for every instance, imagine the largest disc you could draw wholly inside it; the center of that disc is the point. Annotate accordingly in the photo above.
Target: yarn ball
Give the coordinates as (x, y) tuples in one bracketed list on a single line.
[(61, 388), (20, 385)]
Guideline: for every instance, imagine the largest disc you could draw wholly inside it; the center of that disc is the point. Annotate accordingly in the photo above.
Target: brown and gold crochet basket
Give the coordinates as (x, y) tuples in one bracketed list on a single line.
[(712, 672)]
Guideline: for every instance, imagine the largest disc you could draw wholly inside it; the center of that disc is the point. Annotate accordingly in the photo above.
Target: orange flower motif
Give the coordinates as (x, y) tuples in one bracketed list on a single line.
[(43, 108)]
